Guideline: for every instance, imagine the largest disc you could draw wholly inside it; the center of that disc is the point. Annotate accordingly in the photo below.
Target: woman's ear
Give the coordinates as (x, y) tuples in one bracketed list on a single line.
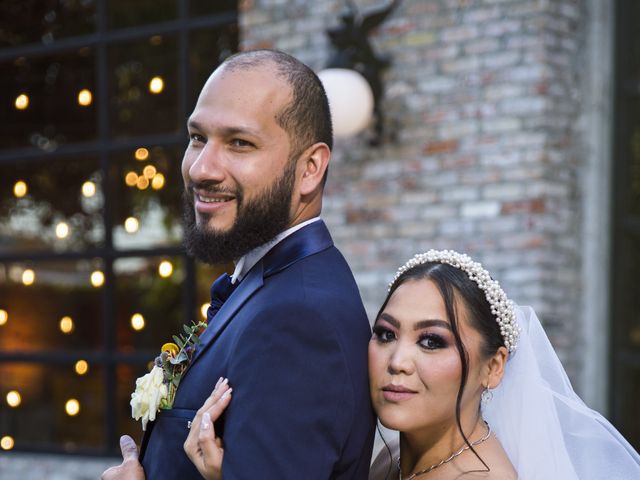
[(313, 163), (495, 368)]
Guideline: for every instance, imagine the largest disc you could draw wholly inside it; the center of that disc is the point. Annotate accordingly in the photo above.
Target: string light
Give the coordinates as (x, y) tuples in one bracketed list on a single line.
[(28, 277), (4, 317), (142, 154), (20, 189), (85, 97), (137, 321), (7, 442), (66, 325), (72, 407), (81, 367), (88, 189), (131, 225), (62, 230), (22, 101), (97, 278), (158, 181), (203, 310), (142, 183), (131, 179), (14, 399), (149, 171), (165, 269), (156, 85)]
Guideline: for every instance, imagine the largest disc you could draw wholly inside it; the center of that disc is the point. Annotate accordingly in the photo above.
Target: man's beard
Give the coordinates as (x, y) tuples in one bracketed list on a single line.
[(257, 221)]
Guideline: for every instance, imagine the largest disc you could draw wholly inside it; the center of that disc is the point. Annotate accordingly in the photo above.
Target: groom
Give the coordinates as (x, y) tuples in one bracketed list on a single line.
[(292, 336)]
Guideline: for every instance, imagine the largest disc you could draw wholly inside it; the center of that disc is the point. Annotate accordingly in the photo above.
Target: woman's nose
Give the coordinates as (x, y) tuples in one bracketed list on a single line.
[(401, 360)]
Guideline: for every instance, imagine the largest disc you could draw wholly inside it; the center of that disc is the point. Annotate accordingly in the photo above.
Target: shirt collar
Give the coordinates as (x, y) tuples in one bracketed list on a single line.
[(248, 260)]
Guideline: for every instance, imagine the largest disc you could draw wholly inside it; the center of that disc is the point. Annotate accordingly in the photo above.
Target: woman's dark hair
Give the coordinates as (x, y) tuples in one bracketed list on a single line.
[(454, 282)]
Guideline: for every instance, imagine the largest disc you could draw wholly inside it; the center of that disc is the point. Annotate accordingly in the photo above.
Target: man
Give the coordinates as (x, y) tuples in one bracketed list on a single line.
[(292, 337)]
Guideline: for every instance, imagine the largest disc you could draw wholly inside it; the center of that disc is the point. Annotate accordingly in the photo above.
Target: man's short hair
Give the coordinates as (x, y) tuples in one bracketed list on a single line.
[(306, 118)]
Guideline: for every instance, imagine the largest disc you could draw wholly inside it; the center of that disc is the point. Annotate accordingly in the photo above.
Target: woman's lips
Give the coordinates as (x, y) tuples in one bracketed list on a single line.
[(397, 393)]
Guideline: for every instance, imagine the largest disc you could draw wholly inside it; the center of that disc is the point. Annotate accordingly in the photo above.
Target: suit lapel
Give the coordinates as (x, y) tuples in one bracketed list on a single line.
[(307, 241)]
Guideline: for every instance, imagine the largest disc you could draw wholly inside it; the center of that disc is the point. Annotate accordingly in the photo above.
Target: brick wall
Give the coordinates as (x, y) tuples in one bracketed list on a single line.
[(481, 107)]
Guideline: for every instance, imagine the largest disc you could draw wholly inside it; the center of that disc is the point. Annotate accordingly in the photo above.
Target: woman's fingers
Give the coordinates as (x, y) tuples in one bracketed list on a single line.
[(202, 447)]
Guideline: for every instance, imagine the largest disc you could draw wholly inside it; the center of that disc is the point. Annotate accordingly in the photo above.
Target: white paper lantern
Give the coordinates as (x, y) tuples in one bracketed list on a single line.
[(350, 100)]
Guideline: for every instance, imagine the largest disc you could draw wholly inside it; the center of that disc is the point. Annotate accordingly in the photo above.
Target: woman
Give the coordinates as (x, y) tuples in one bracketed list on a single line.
[(472, 384)]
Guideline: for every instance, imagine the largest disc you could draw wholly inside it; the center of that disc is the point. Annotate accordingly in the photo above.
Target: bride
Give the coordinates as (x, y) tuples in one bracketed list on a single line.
[(471, 383)]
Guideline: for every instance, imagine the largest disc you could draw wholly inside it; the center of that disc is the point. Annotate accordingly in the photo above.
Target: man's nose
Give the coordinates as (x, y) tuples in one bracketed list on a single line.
[(207, 164)]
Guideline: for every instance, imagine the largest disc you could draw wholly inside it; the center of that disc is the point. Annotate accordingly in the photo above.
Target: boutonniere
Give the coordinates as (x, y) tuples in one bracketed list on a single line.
[(156, 390)]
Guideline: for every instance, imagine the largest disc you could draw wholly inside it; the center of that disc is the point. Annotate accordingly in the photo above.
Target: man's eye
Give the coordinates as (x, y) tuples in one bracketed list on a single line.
[(238, 142), (194, 137)]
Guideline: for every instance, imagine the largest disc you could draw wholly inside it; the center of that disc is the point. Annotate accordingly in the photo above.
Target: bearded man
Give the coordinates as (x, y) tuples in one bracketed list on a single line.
[(292, 336)]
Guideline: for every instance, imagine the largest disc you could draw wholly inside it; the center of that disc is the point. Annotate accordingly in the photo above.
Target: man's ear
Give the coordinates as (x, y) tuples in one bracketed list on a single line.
[(495, 368), (313, 164)]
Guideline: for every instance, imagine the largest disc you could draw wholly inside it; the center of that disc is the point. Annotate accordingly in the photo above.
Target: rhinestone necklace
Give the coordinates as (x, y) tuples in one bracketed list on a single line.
[(445, 460)]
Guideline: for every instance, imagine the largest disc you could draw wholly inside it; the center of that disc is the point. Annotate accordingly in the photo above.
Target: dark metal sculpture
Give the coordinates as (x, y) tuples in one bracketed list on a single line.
[(352, 50)]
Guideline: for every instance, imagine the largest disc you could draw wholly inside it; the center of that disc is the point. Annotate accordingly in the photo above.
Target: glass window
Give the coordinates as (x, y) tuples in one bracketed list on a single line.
[(125, 13), (149, 307), (51, 204), (209, 47), (52, 305), (147, 191), (35, 21), (93, 274), (52, 100), (46, 406), (143, 87)]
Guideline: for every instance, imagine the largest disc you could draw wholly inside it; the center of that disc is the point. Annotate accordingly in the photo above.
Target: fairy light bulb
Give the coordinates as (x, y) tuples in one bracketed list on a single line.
[(28, 277), (137, 321), (81, 367), (22, 101), (20, 189), (156, 85), (97, 278), (141, 154), (72, 407), (4, 317), (88, 189), (62, 230), (165, 269), (14, 399), (66, 325), (131, 225), (85, 97)]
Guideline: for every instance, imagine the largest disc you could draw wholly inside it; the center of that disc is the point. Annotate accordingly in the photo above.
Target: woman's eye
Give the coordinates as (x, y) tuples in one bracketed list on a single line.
[(432, 342), (383, 335)]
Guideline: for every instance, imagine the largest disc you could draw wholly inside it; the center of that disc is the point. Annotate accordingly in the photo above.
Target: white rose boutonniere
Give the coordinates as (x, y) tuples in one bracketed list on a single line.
[(150, 391), (157, 389)]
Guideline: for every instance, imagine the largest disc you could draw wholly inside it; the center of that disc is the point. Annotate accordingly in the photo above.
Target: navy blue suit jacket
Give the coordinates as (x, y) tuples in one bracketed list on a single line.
[(292, 339)]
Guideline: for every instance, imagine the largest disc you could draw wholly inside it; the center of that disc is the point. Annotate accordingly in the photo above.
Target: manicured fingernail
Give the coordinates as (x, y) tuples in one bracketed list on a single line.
[(218, 383), (224, 382), (226, 394), (206, 421)]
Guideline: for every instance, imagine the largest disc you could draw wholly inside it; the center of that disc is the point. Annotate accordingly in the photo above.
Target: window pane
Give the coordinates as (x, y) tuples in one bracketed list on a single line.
[(51, 100), (143, 88), (125, 13), (147, 198), (52, 406), (51, 205), (27, 21), (207, 7), (208, 48), (149, 305), (50, 306)]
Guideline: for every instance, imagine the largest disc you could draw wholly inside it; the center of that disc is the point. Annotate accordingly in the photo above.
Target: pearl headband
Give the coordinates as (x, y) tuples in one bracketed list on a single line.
[(501, 307)]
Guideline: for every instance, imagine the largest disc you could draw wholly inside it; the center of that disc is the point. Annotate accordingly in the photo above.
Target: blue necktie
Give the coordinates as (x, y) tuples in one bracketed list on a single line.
[(220, 291)]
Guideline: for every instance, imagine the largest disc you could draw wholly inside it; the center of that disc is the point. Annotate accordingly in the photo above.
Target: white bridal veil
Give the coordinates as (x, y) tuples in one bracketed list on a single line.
[(546, 430)]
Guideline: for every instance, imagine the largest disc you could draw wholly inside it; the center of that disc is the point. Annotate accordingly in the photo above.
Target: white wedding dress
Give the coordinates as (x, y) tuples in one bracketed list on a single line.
[(545, 428)]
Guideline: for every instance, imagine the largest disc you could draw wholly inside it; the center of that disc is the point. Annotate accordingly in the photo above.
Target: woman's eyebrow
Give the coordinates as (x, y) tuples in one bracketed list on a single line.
[(431, 323)]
